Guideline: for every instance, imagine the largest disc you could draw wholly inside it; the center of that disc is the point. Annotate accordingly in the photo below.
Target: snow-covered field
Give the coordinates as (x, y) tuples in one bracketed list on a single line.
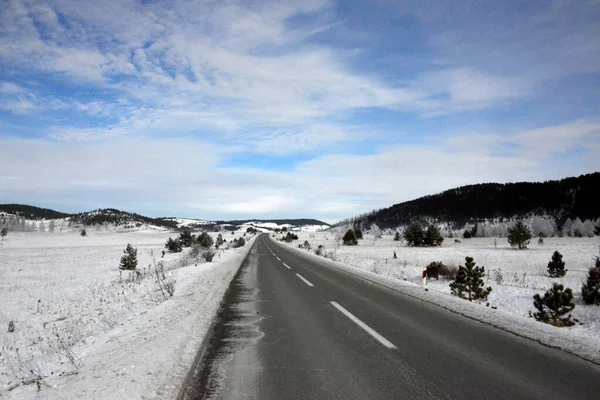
[(514, 275), (84, 331)]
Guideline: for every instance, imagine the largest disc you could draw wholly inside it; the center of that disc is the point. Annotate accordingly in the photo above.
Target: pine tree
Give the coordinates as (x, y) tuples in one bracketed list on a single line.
[(468, 283), (590, 290), (414, 235), (174, 246), (397, 236), (349, 238), (129, 258), (359, 234), (83, 232), (4, 232), (432, 236), (467, 234), (556, 266), (205, 240), (519, 235), (186, 238), (474, 231), (554, 305), (219, 239)]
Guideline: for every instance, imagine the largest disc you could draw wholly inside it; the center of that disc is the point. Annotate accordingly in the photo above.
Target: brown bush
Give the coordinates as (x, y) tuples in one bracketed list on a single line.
[(448, 272)]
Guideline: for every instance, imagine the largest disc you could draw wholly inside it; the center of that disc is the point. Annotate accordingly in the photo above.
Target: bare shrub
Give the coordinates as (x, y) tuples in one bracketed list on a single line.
[(185, 261), (195, 251), (320, 250), (433, 269), (376, 267), (208, 255), (169, 285), (448, 271)]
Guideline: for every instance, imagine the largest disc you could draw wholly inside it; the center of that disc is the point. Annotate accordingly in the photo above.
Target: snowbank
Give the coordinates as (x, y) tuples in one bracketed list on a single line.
[(111, 339), (372, 260)]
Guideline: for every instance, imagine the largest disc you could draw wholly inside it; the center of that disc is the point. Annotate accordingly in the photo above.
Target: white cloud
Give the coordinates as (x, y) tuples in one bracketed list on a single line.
[(186, 177), (10, 88), (225, 65), (461, 89), (536, 144)]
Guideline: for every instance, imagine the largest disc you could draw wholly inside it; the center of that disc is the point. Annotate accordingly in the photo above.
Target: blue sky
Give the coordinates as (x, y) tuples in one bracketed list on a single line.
[(225, 109)]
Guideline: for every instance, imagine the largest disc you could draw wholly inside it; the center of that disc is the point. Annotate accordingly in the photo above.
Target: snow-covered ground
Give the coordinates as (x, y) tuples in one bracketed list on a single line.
[(186, 222), (84, 331), (514, 275), (271, 226)]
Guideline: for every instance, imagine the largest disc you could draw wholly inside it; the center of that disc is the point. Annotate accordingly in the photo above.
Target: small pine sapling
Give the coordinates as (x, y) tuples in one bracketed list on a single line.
[(414, 234), (433, 236), (349, 238), (590, 290), (556, 266), (173, 245), (220, 240), (552, 308), (519, 235), (4, 232), (397, 237), (469, 283), (129, 258), (205, 240), (83, 232), (186, 238)]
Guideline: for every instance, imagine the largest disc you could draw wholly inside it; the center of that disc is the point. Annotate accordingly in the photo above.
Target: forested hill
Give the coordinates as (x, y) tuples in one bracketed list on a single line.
[(31, 212), (566, 198)]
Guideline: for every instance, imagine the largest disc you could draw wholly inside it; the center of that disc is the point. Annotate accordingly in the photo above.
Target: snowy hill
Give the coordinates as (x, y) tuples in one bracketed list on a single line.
[(17, 215), (297, 222), (303, 224), (118, 218), (187, 223)]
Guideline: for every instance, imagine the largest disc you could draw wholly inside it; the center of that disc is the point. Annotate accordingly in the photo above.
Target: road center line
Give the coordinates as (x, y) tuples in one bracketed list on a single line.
[(366, 327), (305, 281), (287, 266), (278, 258)]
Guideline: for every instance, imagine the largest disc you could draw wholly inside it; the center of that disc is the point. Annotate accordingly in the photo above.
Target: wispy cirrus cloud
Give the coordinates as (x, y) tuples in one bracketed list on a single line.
[(196, 58)]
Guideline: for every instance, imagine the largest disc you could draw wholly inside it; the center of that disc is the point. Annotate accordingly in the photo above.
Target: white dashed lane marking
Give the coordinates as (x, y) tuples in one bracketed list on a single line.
[(366, 327), (304, 279)]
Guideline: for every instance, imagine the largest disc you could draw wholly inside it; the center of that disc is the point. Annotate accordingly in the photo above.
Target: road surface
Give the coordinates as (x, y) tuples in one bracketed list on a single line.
[(292, 328)]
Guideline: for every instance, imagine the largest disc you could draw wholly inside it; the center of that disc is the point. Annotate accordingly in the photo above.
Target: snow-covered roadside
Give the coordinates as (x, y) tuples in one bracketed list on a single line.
[(571, 341), (148, 355)]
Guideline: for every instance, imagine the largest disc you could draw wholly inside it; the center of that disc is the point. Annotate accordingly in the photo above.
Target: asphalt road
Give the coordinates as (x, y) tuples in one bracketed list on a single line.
[(295, 329)]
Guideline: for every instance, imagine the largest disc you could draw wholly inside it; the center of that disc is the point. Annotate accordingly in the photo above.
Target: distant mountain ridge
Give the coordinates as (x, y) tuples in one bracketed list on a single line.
[(31, 212), (293, 222), (128, 219), (560, 199)]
